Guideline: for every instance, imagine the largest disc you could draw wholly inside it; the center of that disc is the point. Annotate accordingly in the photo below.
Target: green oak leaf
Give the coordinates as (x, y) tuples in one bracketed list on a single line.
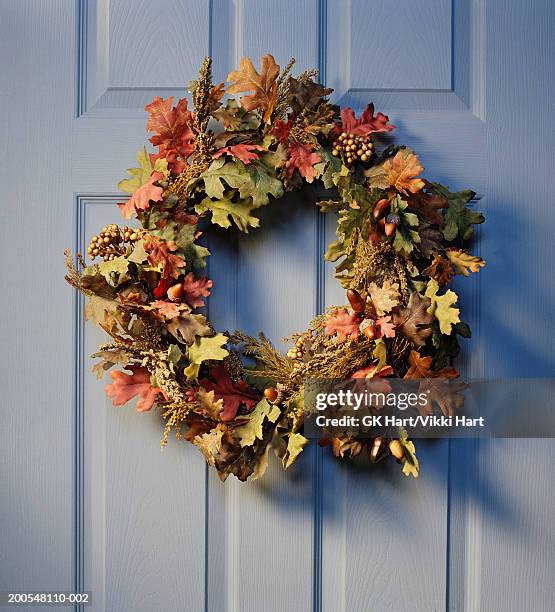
[(252, 429), (138, 254), (141, 174), (233, 173), (225, 207), (295, 444), (405, 236), (194, 254), (459, 219), (202, 350), (263, 184)]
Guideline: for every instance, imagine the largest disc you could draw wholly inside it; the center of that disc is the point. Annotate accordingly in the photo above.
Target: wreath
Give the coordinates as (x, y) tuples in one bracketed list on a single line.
[(399, 243)]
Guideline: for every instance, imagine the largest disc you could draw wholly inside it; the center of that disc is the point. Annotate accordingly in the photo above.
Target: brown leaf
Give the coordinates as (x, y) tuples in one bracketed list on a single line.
[(440, 270), (463, 262), (414, 321), (428, 205), (262, 85), (384, 298)]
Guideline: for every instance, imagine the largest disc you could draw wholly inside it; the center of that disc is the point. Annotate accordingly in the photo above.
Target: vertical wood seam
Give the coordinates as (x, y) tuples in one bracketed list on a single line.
[(318, 307)]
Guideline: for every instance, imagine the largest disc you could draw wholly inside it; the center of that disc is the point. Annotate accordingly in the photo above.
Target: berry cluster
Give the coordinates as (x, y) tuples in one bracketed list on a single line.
[(350, 148), (110, 242)]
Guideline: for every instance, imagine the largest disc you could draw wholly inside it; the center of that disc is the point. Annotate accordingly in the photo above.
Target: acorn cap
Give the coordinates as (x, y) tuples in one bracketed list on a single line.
[(393, 218)]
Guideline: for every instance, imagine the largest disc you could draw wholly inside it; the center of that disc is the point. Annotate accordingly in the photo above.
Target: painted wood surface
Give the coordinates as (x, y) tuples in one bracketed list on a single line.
[(88, 499)]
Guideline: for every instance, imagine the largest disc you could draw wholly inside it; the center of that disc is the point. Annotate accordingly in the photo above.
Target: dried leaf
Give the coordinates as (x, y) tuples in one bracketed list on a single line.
[(402, 171), (194, 289), (384, 298), (463, 262), (441, 307), (421, 367), (343, 323), (243, 152), (414, 321), (187, 326), (262, 85), (303, 159), (233, 395), (205, 349), (366, 124)]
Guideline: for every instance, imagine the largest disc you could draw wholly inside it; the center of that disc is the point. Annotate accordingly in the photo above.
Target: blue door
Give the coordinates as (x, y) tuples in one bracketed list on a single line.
[(88, 500)]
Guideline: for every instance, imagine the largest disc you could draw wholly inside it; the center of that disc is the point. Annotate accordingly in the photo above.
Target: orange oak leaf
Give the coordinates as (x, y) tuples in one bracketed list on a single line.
[(343, 323), (402, 171), (243, 152), (195, 289), (302, 158), (173, 133), (421, 367), (160, 252), (385, 328), (262, 85), (366, 124), (232, 394), (127, 386), (140, 200)]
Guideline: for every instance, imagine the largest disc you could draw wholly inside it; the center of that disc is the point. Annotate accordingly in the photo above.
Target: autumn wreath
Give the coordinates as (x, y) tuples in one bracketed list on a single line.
[(399, 240)]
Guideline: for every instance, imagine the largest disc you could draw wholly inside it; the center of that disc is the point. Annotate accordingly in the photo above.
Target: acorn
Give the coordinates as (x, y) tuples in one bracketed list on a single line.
[(356, 301), (391, 223), (175, 291), (381, 208), (270, 393), (374, 451), (368, 328), (396, 449)]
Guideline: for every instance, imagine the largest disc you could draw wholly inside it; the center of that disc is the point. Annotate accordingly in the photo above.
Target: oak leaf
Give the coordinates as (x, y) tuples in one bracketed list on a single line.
[(385, 328), (421, 367), (262, 85), (402, 171), (127, 386), (343, 323), (161, 257), (210, 443), (168, 310), (208, 405), (195, 289), (205, 349), (172, 127), (243, 152), (414, 321), (428, 205), (463, 262), (232, 394), (188, 326), (366, 124), (295, 444), (252, 428), (303, 159), (140, 200), (385, 297), (441, 307), (440, 270), (224, 208)]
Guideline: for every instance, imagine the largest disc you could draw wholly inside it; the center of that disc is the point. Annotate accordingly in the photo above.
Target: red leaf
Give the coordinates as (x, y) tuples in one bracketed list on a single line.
[(173, 134), (142, 197), (194, 290), (160, 252), (127, 386), (343, 323), (232, 394), (302, 158), (282, 128), (160, 290), (243, 152), (366, 124), (385, 328)]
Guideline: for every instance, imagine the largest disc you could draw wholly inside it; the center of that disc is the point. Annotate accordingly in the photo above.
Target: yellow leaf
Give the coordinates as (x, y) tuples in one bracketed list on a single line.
[(295, 444), (464, 262), (442, 307)]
